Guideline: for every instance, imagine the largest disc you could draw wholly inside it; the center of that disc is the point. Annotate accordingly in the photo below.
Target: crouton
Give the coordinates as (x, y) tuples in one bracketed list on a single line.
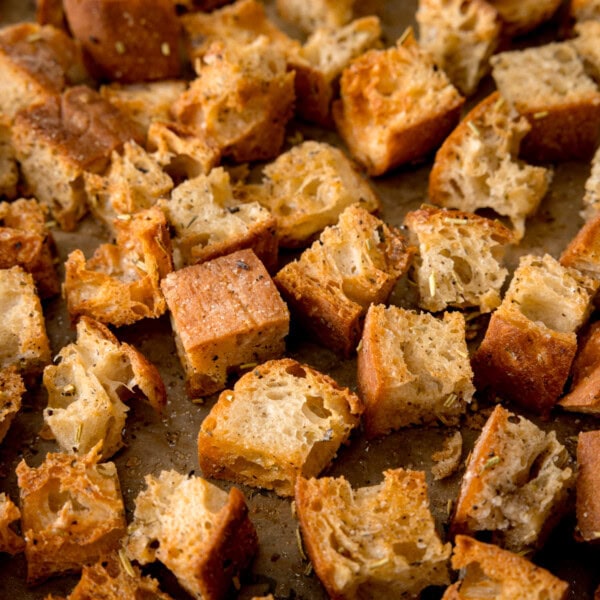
[(308, 16), (9, 173), (583, 251), (585, 10), (447, 460), (521, 16), (587, 45), (12, 389), (588, 480), (591, 199), (10, 542)]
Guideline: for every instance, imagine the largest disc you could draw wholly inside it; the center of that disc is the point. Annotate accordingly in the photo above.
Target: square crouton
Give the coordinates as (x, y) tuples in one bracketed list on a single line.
[(373, 542), (26, 241), (587, 45), (396, 106), (133, 182), (282, 420), (23, 339), (588, 480), (210, 221), (502, 574), (308, 16), (36, 63), (352, 265), (199, 532), (461, 37), (12, 389), (9, 173), (72, 513), (308, 187), (522, 16), (120, 284), (459, 262), (57, 141), (239, 318), (10, 542), (87, 387), (477, 166), (517, 483), (583, 251), (412, 368), (528, 348), (548, 86)]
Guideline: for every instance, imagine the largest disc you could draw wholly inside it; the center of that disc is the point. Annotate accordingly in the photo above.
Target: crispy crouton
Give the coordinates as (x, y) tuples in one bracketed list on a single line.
[(10, 542), (9, 174), (588, 480), (587, 45), (447, 460), (583, 251), (309, 16), (521, 16), (11, 392)]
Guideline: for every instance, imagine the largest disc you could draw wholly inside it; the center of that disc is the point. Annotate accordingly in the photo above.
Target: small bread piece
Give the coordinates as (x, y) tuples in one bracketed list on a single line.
[(238, 319), (548, 86), (583, 251), (23, 340), (36, 63), (516, 485), (396, 106), (26, 241), (587, 45), (308, 187), (209, 221), (72, 513), (591, 199), (10, 542), (9, 173), (461, 37), (584, 10), (120, 284), (588, 480), (57, 141), (374, 542), (11, 392), (478, 167), (459, 262), (87, 387), (127, 40), (133, 182), (521, 16), (352, 265), (309, 16), (283, 419), (412, 368), (528, 348), (447, 460), (201, 533), (490, 572)]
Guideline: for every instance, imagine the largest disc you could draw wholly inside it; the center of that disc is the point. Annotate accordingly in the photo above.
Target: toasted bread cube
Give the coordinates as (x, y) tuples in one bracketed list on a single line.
[(373, 542), (548, 86), (352, 265), (57, 141), (516, 485), (210, 221), (588, 480), (199, 532), (478, 166), (309, 16), (11, 392), (10, 542), (87, 387), (461, 37), (460, 256), (412, 368), (23, 340), (120, 284), (499, 574), (521, 16), (308, 187), (241, 100), (591, 199), (26, 241), (9, 174), (530, 342), (587, 45), (36, 63), (133, 182), (396, 106), (282, 420), (583, 251), (238, 319), (585, 10), (72, 513)]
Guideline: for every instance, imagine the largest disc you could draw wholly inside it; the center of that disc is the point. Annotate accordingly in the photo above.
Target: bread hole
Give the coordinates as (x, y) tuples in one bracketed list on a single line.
[(537, 465), (316, 406), (409, 551), (57, 499), (462, 269), (154, 545), (476, 584), (296, 371), (316, 505)]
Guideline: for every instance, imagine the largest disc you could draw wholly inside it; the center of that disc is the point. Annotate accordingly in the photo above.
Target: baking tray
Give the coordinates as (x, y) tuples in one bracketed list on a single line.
[(154, 443)]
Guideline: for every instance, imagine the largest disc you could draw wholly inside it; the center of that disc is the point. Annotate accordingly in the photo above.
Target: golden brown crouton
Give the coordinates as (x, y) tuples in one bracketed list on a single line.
[(588, 480), (309, 16), (587, 45), (9, 173), (11, 392), (9, 541), (583, 251)]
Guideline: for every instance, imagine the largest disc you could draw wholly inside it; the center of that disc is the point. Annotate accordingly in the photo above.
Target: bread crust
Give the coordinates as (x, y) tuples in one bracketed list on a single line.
[(583, 251), (12, 389), (10, 542), (588, 481)]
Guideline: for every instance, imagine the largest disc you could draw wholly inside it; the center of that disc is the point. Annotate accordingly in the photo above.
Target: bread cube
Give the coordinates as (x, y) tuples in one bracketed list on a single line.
[(133, 182), (499, 574), (477, 166), (87, 387), (588, 480), (352, 265), (583, 251), (372, 542), (26, 241), (11, 392), (396, 106), (210, 221), (36, 63), (584, 10), (10, 542), (9, 174), (412, 368), (57, 141), (548, 86), (237, 320), (120, 284), (461, 37), (282, 420), (309, 16), (516, 485), (521, 16), (308, 187), (72, 513), (587, 45), (199, 532), (459, 263), (528, 348), (23, 339)]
